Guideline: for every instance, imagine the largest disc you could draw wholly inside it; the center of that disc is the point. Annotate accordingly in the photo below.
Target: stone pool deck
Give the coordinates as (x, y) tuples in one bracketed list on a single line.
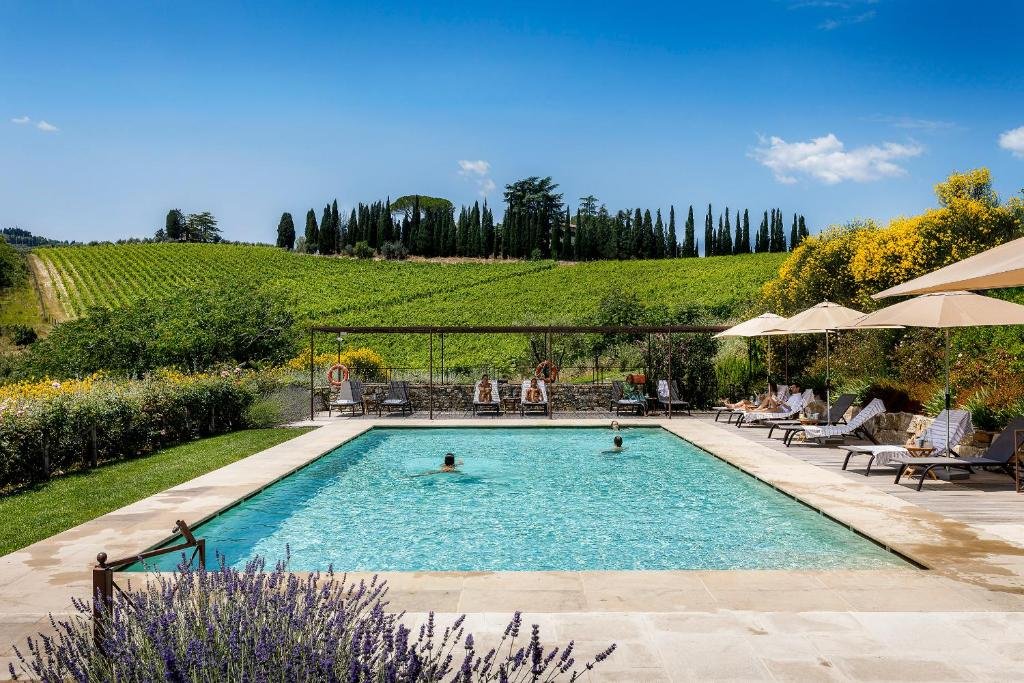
[(669, 625)]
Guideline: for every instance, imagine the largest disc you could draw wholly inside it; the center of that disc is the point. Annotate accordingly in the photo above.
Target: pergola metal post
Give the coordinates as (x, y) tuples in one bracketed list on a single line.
[(551, 399), (669, 376), (312, 414), (430, 390)]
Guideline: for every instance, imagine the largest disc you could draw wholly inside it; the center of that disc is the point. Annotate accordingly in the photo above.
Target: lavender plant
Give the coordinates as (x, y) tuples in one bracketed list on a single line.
[(254, 625)]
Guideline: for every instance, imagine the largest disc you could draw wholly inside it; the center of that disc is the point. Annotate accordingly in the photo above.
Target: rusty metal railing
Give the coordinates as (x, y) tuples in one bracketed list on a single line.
[(103, 584)]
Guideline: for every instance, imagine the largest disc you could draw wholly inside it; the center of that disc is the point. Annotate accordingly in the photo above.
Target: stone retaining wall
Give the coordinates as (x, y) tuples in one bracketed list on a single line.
[(459, 397), (901, 428)]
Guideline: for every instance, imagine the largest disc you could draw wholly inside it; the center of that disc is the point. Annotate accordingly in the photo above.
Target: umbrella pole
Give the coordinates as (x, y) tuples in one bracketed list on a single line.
[(828, 397), (949, 446), (768, 366)]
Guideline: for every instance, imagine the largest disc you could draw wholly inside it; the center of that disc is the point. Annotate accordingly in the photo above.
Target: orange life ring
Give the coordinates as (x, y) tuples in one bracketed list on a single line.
[(551, 371), (337, 369)]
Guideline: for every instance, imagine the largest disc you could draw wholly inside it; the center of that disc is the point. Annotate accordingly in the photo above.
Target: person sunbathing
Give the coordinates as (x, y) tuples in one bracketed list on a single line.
[(772, 404), (760, 404), (484, 388), (533, 394)]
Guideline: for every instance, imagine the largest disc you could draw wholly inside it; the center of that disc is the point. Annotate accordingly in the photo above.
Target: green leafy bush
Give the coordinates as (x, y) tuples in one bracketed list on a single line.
[(51, 430), (362, 250)]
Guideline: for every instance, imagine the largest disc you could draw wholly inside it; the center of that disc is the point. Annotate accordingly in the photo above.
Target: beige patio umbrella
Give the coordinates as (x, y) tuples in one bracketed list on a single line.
[(823, 318), (764, 325), (999, 267), (946, 310)]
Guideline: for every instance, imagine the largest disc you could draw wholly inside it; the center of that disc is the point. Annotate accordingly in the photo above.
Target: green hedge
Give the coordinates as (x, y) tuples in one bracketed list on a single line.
[(117, 419)]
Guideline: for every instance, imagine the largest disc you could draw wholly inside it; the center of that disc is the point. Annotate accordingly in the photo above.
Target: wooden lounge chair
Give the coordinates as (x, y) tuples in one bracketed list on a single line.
[(1000, 455), (492, 406), (349, 396), (533, 407), (836, 415), (668, 392), (619, 401), (397, 398), (936, 434), (855, 427)]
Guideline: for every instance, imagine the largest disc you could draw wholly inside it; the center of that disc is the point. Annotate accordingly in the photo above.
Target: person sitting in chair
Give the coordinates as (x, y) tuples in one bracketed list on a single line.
[(486, 394), (533, 394)]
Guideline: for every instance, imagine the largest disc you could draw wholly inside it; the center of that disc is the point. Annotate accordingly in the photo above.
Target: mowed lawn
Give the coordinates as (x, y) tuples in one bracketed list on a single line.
[(67, 501)]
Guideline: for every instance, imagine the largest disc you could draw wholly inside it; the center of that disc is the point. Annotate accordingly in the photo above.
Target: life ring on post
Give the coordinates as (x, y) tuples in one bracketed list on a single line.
[(337, 375), (547, 371)]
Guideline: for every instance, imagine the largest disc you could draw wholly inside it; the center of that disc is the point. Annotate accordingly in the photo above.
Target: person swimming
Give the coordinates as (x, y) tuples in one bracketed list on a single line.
[(450, 466), (615, 425), (617, 446)]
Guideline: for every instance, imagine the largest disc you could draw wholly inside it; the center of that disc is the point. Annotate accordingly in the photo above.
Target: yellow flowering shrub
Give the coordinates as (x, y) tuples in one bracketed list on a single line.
[(362, 362)]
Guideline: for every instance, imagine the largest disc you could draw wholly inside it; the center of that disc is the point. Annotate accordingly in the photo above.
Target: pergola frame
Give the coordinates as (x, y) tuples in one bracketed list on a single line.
[(547, 330)]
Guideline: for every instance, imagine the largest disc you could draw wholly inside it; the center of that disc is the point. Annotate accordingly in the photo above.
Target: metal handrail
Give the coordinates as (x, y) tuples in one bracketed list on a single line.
[(103, 584)]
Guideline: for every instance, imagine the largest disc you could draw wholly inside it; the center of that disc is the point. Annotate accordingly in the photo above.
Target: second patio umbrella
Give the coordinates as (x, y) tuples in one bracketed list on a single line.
[(823, 318)]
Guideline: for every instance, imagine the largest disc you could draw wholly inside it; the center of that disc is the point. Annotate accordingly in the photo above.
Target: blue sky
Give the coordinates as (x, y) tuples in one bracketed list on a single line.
[(114, 113)]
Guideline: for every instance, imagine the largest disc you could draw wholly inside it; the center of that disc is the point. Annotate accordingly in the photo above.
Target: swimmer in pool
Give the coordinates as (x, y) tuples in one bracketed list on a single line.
[(615, 425), (617, 445), (450, 466)]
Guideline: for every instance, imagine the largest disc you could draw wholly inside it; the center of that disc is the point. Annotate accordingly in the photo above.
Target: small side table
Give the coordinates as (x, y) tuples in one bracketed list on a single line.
[(370, 403), (920, 452)]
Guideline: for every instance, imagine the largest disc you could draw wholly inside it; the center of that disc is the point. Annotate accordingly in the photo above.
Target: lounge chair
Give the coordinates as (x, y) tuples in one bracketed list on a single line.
[(529, 406), (894, 454), (668, 392), (792, 407), (855, 427), (620, 402), (1000, 455), (780, 395), (350, 396), (397, 398), (492, 406), (836, 415)]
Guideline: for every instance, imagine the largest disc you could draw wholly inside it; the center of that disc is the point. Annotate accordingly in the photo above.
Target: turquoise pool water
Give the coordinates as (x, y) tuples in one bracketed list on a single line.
[(529, 499)]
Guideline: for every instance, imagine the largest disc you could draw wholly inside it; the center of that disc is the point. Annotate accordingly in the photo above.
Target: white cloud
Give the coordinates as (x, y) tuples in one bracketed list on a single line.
[(479, 167), (1013, 140), (21, 120), (911, 123), (832, 24), (47, 127), (478, 171), (827, 159)]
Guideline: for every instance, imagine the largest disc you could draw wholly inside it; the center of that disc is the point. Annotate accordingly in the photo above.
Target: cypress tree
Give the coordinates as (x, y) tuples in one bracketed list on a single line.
[(673, 239), (689, 236), (660, 249), (488, 228), (746, 231), (648, 235), (339, 237), (386, 223), (325, 241), (794, 234), (709, 234), (727, 235), (737, 242), (476, 231), (286, 232), (312, 232), (802, 230)]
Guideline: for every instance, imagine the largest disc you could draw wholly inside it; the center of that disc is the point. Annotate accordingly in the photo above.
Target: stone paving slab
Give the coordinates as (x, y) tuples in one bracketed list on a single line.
[(670, 625)]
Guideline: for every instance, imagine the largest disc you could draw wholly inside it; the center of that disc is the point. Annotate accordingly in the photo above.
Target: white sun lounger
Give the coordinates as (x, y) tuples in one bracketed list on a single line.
[(895, 455), (494, 405), (794, 404)]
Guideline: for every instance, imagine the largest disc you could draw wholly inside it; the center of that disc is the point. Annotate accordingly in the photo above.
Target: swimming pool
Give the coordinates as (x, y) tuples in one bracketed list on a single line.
[(529, 499)]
